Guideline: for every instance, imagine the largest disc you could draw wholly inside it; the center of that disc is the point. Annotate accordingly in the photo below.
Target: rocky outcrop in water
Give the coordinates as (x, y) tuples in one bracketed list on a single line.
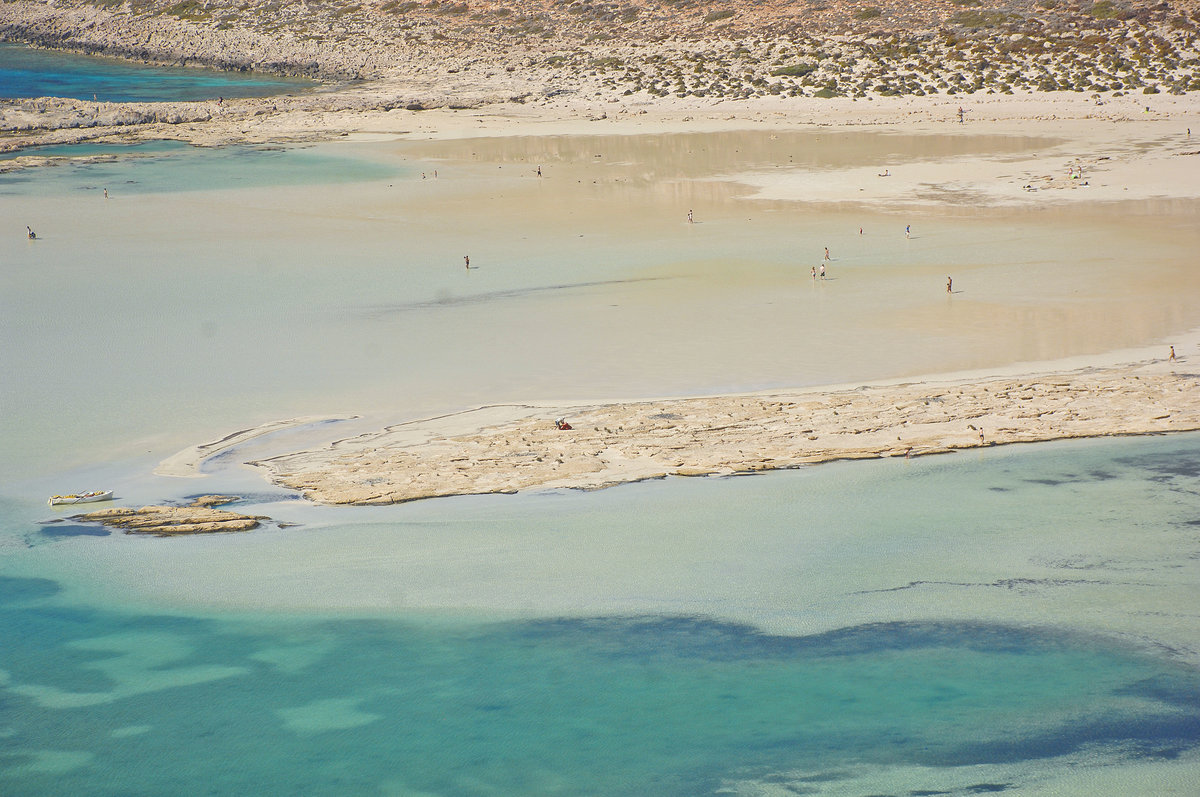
[(200, 517)]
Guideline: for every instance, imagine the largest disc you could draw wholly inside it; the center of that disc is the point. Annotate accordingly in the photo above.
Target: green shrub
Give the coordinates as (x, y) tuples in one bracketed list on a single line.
[(188, 9), (797, 70)]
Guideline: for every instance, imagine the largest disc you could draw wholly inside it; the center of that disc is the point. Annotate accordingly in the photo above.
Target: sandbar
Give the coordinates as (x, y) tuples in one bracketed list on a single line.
[(620, 442)]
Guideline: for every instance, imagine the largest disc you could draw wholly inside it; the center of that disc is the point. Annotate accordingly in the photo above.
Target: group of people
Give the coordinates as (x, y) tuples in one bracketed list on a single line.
[(821, 273)]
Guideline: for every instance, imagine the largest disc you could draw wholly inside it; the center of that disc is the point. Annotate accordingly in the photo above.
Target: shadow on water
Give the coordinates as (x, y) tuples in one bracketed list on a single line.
[(448, 300), (603, 706)]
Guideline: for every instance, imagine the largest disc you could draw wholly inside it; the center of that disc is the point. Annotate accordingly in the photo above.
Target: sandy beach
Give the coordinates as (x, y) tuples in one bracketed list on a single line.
[(1094, 109), (1094, 157)]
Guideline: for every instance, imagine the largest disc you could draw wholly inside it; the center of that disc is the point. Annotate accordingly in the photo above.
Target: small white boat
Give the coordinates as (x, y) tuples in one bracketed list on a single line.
[(81, 498)]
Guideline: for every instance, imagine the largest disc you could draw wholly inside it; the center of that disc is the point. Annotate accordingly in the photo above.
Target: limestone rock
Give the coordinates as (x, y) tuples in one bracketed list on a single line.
[(167, 521)]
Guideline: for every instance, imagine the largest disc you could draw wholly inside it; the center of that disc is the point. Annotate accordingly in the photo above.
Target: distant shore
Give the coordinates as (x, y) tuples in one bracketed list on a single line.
[(400, 67)]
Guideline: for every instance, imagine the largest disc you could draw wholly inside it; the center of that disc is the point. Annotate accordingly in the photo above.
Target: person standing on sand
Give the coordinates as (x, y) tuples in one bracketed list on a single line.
[(106, 193), (690, 219), (814, 273), (949, 285), (822, 271), (907, 230), (1172, 358), (467, 261), (827, 253)]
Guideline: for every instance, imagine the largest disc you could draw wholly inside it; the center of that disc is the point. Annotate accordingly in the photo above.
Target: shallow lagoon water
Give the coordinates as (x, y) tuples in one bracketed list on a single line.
[(31, 72), (1011, 620), (222, 289), (1014, 640)]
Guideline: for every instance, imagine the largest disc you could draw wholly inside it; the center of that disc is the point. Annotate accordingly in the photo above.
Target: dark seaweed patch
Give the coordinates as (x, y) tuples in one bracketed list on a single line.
[(1178, 464), (25, 589), (74, 530)]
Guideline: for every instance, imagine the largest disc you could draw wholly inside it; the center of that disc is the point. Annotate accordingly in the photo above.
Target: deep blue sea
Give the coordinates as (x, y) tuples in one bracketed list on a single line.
[(30, 72)]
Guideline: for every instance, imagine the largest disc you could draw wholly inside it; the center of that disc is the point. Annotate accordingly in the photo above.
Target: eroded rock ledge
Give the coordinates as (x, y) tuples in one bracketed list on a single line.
[(615, 443), (199, 517)]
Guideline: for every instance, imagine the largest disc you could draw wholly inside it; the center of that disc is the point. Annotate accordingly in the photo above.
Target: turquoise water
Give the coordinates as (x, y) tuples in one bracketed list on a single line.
[(90, 149), (100, 699), (30, 72), (174, 166)]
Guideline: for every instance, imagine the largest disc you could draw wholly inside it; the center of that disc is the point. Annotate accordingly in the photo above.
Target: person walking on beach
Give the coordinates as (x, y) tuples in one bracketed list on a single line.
[(822, 271), (106, 193), (30, 232), (539, 171), (814, 273), (1172, 357), (907, 230), (949, 285), (467, 261), (690, 219)]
